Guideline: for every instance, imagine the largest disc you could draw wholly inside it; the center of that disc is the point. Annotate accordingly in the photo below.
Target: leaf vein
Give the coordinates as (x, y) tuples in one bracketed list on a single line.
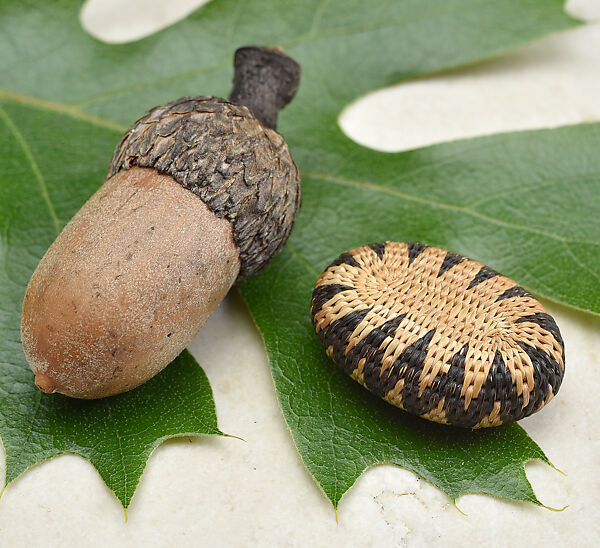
[(60, 108), (578, 261), (20, 139), (149, 83), (507, 192), (316, 22), (294, 250), (333, 441), (441, 205), (376, 25), (206, 426), (35, 412), (108, 409)]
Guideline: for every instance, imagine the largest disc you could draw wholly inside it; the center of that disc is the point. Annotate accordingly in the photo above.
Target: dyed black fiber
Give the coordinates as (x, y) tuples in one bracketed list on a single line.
[(485, 273), (450, 260), (370, 349), (546, 322), (379, 249), (547, 372), (337, 334), (410, 364), (323, 293), (345, 258), (497, 387), (448, 385), (516, 291), (414, 250), (499, 384)]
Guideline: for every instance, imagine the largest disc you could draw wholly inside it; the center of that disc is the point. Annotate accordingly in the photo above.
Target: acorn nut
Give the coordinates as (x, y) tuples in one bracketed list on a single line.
[(201, 193)]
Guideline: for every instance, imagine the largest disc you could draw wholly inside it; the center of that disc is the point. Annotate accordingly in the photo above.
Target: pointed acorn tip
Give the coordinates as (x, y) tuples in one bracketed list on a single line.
[(45, 383)]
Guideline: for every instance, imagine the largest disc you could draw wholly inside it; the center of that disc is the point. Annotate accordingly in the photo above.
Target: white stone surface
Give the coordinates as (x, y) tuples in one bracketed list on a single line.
[(225, 492)]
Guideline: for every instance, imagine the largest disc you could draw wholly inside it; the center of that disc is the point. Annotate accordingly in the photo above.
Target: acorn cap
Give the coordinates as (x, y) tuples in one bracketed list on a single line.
[(241, 169)]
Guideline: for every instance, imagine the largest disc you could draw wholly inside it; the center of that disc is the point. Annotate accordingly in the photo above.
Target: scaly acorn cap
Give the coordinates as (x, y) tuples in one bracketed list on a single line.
[(240, 168)]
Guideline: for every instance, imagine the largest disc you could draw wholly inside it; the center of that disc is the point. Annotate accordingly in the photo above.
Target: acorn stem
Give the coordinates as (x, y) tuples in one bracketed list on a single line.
[(265, 80)]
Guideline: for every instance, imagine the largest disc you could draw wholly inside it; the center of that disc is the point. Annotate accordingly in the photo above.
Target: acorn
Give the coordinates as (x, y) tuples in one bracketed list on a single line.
[(201, 194)]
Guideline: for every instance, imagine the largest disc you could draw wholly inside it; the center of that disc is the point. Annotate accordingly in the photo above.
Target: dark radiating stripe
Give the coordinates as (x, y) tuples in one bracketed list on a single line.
[(378, 248), (516, 291), (345, 258), (499, 386), (323, 293), (369, 348), (546, 372), (457, 363), (546, 322), (376, 337), (408, 366), (446, 385), (380, 384), (499, 380), (414, 250), (337, 334), (450, 260), (485, 273)]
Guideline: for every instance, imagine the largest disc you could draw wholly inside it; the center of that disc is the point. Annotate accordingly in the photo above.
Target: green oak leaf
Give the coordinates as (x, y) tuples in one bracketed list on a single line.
[(456, 196), (66, 97)]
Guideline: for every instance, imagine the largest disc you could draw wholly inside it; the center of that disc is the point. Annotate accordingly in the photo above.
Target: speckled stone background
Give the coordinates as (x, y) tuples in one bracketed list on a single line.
[(227, 492)]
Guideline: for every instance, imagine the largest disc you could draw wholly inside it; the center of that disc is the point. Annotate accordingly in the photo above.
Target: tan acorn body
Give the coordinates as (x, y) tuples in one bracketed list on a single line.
[(201, 193), (100, 318)]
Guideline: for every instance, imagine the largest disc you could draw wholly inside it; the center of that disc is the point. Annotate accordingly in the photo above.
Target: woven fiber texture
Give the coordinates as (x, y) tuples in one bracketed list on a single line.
[(438, 335), (220, 151)]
